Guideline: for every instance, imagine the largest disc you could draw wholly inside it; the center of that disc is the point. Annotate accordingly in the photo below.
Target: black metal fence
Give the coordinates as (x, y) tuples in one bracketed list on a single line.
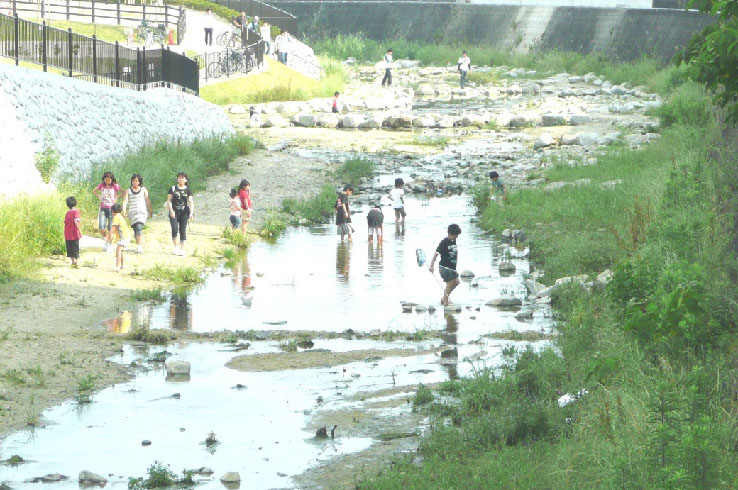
[(231, 61), (97, 61), (267, 13)]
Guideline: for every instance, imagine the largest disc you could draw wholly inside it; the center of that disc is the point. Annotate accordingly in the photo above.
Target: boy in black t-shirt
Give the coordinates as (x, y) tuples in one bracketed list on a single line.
[(447, 267)]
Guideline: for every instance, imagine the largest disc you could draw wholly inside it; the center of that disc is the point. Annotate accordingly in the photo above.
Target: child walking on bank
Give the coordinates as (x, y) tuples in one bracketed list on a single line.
[(449, 254), (136, 201), (181, 209), (107, 191), (235, 204), (72, 230), (119, 234)]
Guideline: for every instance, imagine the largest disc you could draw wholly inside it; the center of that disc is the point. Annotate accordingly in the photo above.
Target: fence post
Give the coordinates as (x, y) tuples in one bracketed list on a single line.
[(93, 11), (94, 58), (43, 9), (166, 15), (16, 43), (67, 10), (144, 67), (138, 68), (117, 12), (144, 12), (15, 12), (165, 54), (71, 53), (117, 65), (43, 45)]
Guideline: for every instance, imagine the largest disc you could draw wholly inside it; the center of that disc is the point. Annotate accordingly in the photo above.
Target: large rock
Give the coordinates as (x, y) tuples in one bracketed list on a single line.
[(473, 120), (372, 122), (352, 120), (425, 89), (304, 119), (466, 273), (237, 109), (587, 139), (327, 120), (231, 477), (543, 141), (446, 122), (396, 122), (88, 478), (276, 121), (553, 120), (424, 122), (177, 368), (519, 122), (507, 301), (579, 119)]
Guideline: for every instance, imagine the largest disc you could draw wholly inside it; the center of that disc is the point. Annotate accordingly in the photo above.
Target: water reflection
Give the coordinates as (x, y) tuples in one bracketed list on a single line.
[(343, 259), (375, 260), (119, 324)]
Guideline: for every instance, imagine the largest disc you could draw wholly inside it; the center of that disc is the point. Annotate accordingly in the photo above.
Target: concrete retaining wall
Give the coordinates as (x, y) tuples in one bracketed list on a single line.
[(88, 123), (625, 34)]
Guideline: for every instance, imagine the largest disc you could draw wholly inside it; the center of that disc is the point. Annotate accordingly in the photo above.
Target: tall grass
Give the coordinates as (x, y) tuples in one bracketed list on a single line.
[(356, 168), (159, 164), (316, 209)]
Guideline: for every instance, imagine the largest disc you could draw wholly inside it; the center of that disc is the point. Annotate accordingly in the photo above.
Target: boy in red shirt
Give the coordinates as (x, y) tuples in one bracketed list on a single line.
[(72, 230)]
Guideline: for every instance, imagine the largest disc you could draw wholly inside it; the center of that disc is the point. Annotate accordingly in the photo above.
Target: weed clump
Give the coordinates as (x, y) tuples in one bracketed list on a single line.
[(160, 476)]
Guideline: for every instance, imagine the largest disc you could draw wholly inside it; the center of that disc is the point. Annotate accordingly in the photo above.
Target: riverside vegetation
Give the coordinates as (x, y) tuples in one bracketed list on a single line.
[(653, 354), (32, 224)]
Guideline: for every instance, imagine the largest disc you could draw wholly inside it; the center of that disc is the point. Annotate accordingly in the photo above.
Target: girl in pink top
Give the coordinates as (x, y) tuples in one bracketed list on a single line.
[(244, 193), (107, 191)]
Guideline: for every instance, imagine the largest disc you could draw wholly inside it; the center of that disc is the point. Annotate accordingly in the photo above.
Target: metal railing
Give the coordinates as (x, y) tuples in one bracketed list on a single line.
[(93, 11), (230, 61), (91, 59), (267, 13)]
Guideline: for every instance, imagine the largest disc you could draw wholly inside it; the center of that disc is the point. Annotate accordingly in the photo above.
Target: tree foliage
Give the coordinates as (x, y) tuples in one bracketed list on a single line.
[(712, 55)]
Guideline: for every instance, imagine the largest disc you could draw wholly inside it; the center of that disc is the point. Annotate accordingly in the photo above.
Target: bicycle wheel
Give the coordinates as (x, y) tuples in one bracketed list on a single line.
[(248, 64), (215, 69), (234, 64), (222, 39)]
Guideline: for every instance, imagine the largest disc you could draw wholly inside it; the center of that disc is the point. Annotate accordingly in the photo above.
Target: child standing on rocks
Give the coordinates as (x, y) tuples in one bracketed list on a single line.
[(119, 235), (449, 254), (375, 222), (107, 191), (72, 230), (136, 201)]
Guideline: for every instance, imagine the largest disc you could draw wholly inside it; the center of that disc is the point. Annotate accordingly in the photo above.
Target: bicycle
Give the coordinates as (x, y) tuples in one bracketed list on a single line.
[(229, 38), (228, 62), (148, 36)]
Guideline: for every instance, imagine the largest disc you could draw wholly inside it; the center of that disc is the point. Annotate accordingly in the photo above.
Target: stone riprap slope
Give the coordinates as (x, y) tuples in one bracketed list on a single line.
[(88, 123)]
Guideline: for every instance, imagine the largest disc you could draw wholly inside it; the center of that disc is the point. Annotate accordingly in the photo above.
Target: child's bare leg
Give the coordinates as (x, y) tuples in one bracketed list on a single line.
[(371, 238)]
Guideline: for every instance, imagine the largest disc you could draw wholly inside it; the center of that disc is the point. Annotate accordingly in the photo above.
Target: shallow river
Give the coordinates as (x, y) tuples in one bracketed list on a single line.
[(307, 280)]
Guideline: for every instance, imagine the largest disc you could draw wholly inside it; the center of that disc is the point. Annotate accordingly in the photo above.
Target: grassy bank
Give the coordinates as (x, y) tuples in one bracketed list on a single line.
[(276, 83), (654, 349), (33, 226)]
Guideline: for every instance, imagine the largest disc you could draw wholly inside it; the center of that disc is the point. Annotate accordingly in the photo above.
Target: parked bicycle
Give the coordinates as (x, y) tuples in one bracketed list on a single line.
[(230, 38), (232, 61), (148, 36)]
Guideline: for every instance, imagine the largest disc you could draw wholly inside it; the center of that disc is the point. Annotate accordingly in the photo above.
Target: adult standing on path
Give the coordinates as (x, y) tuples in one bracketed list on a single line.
[(283, 46), (387, 68), (209, 27), (464, 65)]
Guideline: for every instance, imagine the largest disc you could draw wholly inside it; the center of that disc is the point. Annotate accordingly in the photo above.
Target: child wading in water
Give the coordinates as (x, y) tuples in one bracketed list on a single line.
[(107, 191), (119, 235), (72, 230), (375, 222), (244, 194), (398, 201), (235, 204), (449, 255), (181, 210), (136, 201), (343, 214)]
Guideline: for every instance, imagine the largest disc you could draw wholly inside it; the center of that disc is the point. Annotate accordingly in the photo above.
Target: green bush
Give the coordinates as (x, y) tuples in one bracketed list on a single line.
[(688, 106), (272, 227), (356, 168), (317, 209), (47, 161)]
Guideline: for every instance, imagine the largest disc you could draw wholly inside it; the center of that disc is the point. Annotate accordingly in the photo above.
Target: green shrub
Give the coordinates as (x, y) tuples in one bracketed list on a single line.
[(355, 169), (160, 476), (317, 209), (423, 396), (47, 160), (688, 106), (272, 227), (236, 238)]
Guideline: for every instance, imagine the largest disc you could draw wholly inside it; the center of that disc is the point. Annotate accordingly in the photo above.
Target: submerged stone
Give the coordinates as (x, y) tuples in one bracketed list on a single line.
[(88, 478)]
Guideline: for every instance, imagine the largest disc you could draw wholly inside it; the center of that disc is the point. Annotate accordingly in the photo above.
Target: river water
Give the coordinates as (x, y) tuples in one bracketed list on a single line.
[(306, 280)]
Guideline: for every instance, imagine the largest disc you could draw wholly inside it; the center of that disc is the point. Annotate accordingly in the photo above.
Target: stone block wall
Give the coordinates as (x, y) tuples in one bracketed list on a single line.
[(622, 33), (88, 123)]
